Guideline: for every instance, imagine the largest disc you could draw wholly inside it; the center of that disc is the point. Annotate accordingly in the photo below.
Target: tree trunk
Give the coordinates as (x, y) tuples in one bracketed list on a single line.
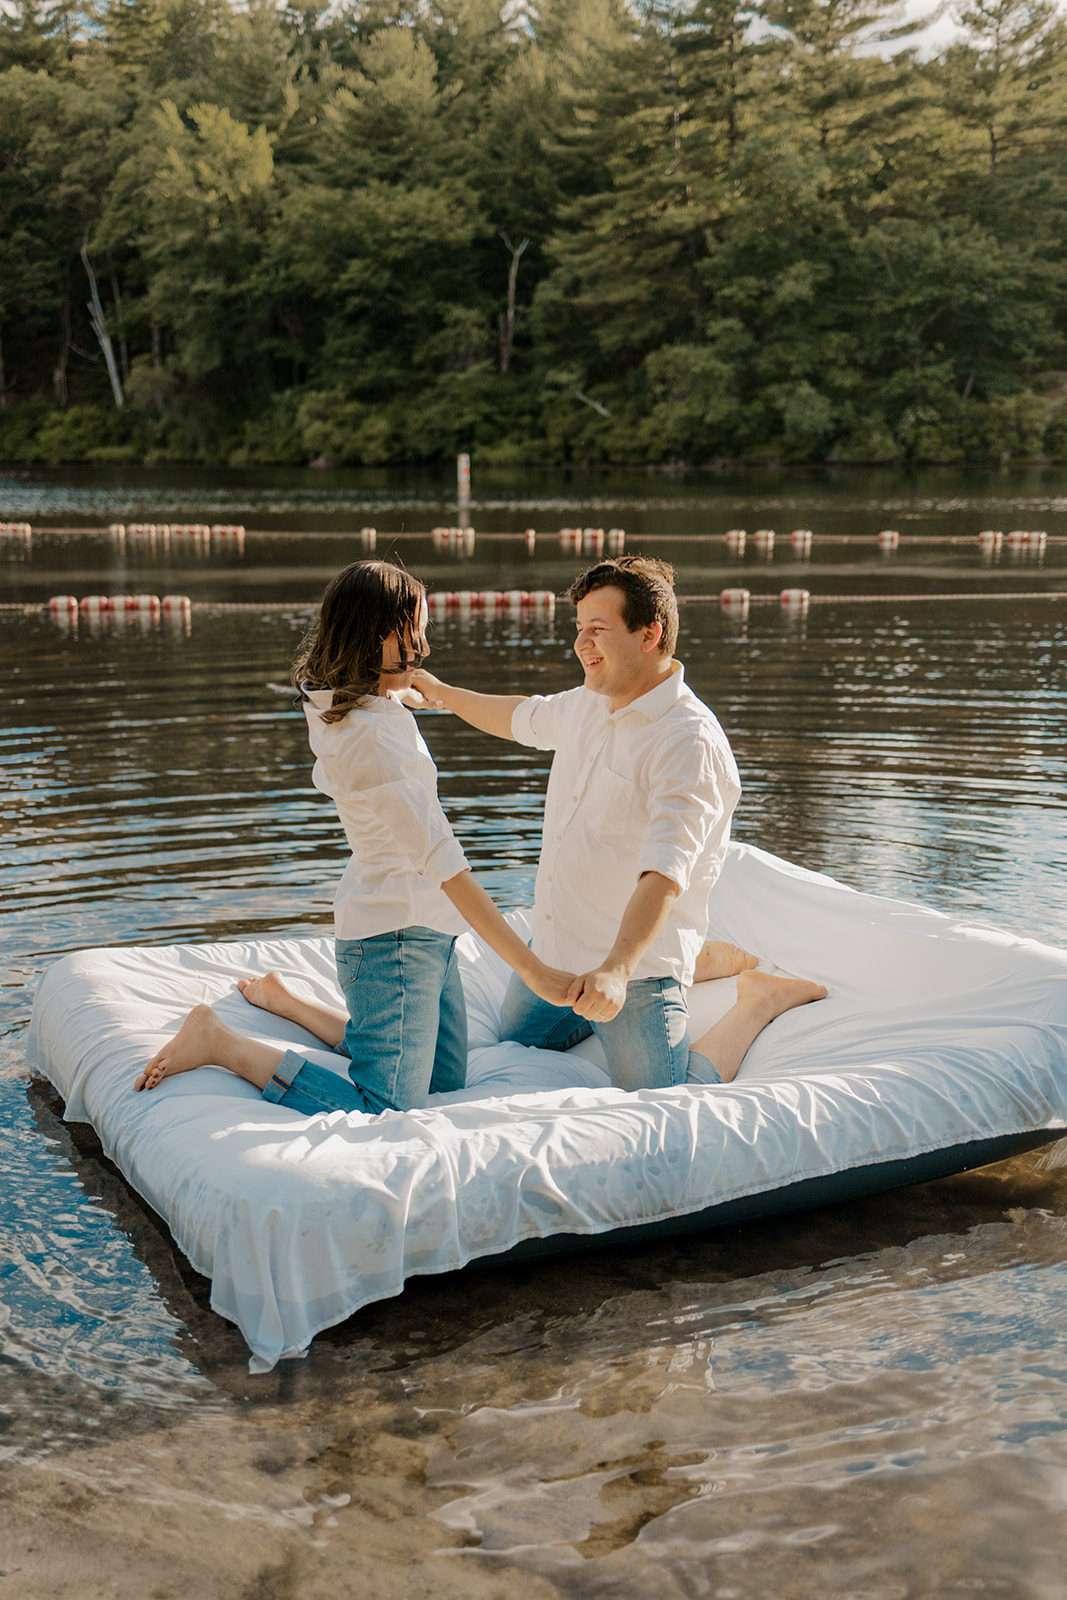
[(59, 371), (103, 338), (507, 319), (157, 359), (124, 355)]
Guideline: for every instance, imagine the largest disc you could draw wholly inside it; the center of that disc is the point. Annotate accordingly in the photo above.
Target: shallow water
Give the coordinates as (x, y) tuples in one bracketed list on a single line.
[(862, 1401)]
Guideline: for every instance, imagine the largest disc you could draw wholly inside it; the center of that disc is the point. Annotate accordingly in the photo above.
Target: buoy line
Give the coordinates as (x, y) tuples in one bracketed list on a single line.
[(488, 602), (461, 540)]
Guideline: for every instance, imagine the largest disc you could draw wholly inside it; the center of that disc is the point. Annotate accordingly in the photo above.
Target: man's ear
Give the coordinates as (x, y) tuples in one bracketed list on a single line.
[(652, 636)]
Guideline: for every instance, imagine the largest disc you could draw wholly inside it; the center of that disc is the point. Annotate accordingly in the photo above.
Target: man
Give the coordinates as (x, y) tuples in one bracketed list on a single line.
[(637, 820)]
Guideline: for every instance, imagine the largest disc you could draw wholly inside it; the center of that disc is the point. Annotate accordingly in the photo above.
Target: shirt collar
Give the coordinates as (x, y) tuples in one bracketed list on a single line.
[(655, 703), (322, 700)]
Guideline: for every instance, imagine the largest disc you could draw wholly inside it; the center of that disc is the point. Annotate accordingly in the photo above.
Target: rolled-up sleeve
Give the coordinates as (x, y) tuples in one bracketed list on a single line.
[(536, 721), (691, 797)]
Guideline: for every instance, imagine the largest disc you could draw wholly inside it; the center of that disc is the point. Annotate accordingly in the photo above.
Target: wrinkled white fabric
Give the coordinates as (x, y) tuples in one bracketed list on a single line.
[(934, 1033)]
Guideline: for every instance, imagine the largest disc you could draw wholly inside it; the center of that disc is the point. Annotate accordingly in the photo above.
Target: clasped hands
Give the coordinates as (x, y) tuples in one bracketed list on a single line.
[(597, 996)]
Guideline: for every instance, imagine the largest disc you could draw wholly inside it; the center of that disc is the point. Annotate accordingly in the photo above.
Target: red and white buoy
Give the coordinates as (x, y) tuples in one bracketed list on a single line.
[(735, 540), (495, 600), (734, 602), (794, 601), (455, 539), (1024, 539), (800, 539), (888, 539), (63, 604), (763, 539), (990, 539)]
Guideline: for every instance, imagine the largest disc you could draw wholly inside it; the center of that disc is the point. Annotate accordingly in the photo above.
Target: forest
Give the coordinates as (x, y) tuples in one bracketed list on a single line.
[(672, 232)]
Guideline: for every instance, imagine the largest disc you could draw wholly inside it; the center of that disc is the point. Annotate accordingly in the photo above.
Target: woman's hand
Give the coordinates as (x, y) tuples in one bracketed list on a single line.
[(549, 983)]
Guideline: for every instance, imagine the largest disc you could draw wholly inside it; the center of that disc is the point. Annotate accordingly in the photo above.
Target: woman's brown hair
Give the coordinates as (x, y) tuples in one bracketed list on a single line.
[(362, 606)]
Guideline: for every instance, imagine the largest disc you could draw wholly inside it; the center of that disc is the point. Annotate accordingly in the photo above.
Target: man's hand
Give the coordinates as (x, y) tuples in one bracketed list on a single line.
[(599, 996), (492, 713), (431, 688)]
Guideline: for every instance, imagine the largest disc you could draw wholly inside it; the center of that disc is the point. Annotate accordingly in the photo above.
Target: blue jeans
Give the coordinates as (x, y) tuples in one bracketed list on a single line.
[(406, 1036), (647, 1044)]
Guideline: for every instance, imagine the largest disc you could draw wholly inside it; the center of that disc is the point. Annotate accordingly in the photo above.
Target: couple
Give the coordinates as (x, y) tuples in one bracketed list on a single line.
[(637, 819)]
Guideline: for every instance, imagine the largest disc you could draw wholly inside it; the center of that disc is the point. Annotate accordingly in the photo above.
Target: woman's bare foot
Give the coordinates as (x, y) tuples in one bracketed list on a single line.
[(192, 1046), (204, 1040), (761, 996), (719, 960), (267, 991), (271, 994)]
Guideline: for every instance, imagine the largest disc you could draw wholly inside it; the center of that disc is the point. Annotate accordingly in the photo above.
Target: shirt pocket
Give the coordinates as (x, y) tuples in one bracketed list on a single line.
[(611, 805)]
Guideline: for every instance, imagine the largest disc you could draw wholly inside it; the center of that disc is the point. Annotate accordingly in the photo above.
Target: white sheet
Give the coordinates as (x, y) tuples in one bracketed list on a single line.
[(934, 1033)]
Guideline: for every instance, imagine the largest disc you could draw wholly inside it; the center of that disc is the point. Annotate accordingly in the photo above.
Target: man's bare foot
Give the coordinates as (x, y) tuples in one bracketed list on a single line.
[(719, 960), (761, 996), (773, 995), (196, 1044), (269, 993)]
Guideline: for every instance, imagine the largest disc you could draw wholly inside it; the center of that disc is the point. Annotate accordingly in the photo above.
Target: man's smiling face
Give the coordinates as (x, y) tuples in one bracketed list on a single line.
[(617, 663)]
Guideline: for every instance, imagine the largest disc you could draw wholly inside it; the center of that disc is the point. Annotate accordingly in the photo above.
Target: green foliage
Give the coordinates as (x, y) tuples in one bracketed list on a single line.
[(727, 242)]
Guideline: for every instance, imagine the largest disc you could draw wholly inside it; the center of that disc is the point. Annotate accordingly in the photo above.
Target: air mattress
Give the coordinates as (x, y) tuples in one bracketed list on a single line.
[(940, 1046)]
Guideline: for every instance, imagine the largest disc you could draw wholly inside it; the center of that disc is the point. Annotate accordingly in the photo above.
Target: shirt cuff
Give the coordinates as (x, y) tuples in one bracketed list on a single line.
[(522, 730), (446, 860), (669, 864)]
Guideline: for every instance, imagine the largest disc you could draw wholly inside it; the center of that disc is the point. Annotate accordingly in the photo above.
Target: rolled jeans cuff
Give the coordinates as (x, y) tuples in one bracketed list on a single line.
[(702, 1069), (284, 1073)]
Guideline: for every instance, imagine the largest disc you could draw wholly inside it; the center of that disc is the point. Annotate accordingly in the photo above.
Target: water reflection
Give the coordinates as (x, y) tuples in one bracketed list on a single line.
[(854, 1401)]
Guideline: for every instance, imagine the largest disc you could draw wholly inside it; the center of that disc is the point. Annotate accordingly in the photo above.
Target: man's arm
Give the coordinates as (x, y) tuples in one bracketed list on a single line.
[(598, 995), (492, 713)]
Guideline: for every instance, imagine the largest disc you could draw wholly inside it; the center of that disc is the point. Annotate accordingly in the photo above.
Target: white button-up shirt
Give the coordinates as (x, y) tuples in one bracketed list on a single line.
[(650, 788), (376, 768)]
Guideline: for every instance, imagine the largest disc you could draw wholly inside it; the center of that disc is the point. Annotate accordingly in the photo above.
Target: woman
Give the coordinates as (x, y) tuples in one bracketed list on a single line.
[(405, 893)]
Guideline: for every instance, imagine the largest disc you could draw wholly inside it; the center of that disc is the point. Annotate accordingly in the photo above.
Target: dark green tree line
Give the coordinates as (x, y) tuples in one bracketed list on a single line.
[(587, 230)]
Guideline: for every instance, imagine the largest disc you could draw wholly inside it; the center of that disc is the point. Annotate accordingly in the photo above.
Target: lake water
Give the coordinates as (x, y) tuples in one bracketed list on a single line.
[(856, 1402)]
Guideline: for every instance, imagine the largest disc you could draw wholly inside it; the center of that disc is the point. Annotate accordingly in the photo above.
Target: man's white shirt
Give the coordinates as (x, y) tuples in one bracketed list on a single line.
[(649, 788)]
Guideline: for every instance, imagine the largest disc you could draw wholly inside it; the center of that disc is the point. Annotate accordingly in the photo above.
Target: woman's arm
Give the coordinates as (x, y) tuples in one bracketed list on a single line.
[(475, 906)]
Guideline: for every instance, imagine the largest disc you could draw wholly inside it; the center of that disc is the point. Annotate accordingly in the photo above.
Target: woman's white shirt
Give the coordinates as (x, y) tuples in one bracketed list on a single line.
[(376, 768)]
